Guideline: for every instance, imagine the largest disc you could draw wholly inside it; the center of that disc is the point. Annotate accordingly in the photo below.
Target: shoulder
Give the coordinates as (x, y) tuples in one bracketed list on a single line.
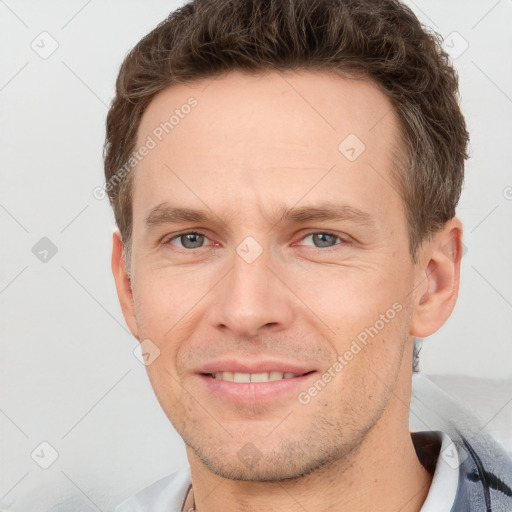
[(165, 495)]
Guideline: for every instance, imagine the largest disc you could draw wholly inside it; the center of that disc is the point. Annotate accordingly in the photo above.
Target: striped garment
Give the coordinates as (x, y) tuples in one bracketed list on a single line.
[(485, 471)]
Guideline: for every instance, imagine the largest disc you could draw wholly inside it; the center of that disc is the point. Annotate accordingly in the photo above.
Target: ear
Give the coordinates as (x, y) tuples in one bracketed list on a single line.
[(123, 284), (437, 279)]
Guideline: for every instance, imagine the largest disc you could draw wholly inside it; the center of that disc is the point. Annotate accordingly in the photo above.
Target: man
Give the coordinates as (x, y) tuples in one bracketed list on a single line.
[(284, 176)]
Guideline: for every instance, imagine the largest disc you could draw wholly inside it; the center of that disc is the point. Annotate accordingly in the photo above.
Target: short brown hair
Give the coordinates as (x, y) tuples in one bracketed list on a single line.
[(379, 39)]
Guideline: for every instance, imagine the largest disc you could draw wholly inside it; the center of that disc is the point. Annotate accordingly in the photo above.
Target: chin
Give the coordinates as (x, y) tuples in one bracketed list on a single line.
[(250, 464), (260, 472)]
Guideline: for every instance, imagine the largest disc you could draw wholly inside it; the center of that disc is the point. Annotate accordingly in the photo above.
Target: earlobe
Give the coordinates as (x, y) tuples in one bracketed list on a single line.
[(123, 282), (437, 282)]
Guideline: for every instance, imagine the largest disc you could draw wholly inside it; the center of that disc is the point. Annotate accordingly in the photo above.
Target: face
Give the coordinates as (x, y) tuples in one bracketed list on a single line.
[(270, 268)]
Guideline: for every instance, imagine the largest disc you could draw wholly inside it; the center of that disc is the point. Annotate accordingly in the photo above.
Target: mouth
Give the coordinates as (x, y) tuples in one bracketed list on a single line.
[(241, 377), (257, 386)]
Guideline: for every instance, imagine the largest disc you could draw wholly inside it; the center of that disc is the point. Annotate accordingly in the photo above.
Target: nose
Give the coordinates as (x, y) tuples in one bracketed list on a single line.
[(251, 300)]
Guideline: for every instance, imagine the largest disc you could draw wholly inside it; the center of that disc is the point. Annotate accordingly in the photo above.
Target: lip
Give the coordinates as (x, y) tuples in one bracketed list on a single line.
[(255, 392)]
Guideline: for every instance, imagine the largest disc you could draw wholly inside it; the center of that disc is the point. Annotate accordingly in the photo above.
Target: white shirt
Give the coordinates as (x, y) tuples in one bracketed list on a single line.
[(168, 494), (444, 485)]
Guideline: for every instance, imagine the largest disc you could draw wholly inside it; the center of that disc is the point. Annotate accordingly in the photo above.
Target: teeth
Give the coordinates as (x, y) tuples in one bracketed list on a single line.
[(224, 376), (259, 377), (241, 377), (254, 377)]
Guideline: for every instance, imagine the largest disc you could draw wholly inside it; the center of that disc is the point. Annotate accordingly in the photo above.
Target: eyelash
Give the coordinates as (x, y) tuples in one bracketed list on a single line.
[(341, 240)]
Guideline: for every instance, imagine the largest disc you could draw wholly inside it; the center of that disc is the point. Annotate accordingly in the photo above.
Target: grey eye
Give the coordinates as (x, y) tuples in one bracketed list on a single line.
[(324, 239), (191, 240)]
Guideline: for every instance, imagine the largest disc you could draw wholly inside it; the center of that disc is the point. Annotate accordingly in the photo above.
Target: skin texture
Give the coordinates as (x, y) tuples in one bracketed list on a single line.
[(251, 147)]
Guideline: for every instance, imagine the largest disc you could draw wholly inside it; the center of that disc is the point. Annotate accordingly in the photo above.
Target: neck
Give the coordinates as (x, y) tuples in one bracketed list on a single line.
[(383, 474)]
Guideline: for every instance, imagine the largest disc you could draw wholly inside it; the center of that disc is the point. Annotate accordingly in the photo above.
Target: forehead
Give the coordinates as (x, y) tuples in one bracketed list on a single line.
[(266, 138)]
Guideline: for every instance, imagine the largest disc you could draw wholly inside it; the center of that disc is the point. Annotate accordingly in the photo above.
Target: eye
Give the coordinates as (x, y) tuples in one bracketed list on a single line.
[(322, 239), (191, 240)]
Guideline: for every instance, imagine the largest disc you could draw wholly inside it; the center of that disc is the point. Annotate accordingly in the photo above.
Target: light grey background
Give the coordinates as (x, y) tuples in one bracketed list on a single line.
[(68, 373)]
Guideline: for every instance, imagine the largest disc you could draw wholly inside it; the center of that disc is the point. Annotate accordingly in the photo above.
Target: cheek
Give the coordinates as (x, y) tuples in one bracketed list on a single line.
[(165, 298), (349, 298), (364, 317), (159, 312), (371, 360)]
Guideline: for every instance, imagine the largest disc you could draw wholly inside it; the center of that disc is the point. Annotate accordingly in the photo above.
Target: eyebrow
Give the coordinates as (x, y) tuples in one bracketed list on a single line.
[(327, 212), (166, 214)]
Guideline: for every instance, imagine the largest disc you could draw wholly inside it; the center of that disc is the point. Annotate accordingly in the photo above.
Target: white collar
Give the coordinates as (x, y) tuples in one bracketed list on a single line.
[(443, 489)]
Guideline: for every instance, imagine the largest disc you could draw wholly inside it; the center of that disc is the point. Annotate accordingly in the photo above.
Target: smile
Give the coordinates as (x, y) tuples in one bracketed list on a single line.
[(256, 386), (240, 377)]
